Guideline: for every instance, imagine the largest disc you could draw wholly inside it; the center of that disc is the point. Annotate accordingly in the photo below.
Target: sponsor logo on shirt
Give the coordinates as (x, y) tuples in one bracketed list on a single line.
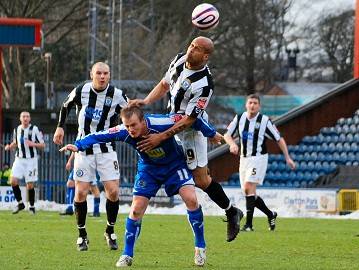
[(93, 113), (156, 153), (247, 135), (201, 103)]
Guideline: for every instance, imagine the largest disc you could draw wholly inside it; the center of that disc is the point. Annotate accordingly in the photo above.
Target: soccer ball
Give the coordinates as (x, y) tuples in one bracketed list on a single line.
[(205, 17)]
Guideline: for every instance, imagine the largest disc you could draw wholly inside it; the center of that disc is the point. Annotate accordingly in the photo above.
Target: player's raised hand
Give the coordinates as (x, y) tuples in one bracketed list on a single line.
[(291, 163), (136, 102), (217, 139), (69, 147), (59, 136)]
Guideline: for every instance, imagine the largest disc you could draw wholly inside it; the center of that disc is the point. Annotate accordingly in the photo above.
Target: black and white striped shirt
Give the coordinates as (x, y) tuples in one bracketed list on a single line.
[(253, 133), (190, 90), (96, 111), (21, 135)]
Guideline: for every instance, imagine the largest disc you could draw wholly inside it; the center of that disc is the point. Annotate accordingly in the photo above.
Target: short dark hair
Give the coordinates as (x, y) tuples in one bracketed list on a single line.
[(129, 111), (255, 96)]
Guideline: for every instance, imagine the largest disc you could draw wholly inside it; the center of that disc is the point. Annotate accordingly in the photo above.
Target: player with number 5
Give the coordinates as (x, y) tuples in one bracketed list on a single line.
[(253, 128)]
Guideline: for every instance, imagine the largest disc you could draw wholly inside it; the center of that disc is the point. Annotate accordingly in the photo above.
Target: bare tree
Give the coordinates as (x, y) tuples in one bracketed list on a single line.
[(249, 43), (61, 19)]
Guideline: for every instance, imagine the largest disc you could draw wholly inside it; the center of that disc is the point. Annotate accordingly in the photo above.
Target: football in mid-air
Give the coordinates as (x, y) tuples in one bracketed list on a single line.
[(205, 17)]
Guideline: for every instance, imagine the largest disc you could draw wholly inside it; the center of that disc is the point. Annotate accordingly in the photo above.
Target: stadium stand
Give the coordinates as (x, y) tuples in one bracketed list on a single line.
[(323, 135), (319, 158)]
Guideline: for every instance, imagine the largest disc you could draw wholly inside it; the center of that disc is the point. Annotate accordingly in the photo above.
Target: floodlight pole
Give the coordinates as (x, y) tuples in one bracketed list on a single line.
[(32, 88), (1, 117)]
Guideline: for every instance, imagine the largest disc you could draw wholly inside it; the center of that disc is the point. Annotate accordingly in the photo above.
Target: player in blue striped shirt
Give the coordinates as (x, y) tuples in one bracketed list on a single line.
[(163, 165)]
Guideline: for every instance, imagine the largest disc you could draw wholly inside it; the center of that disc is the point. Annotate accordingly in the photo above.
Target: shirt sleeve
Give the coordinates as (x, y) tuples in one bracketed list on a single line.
[(233, 127), (117, 133), (39, 138), (207, 130), (71, 99), (199, 100), (272, 132)]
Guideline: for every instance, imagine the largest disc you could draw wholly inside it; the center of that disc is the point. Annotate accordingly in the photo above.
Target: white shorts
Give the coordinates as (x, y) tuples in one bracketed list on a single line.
[(195, 148), (253, 169), (25, 168), (106, 164)]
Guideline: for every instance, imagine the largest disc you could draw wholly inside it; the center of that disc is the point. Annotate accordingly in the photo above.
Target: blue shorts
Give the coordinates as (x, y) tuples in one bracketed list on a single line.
[(93, 183), (149, 180)]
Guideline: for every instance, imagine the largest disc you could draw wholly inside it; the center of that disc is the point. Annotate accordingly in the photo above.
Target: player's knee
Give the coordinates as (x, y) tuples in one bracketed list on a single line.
[(136, 213), (191, 203), (30, 185), (112, 194), (202, 180), (70, 184), (80, 194)]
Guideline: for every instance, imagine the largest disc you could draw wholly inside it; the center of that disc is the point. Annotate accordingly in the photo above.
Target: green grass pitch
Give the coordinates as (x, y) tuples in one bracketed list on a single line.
[(47, 241)]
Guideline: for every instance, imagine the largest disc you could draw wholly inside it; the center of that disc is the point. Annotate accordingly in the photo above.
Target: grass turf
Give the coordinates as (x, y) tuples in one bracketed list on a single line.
[(47, 241)]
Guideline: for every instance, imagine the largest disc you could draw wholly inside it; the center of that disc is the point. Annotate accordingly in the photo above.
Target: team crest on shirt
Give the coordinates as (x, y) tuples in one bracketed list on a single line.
[(108, 101), (141, 183), (257, 125), (79, 173), (186, 84)]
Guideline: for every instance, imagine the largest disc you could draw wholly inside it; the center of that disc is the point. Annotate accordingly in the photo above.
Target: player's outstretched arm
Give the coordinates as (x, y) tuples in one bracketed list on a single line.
[(153, 140), (69, 147)]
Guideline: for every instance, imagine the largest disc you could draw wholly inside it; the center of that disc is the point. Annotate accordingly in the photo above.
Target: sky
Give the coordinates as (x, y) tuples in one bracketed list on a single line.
[(304, 11)]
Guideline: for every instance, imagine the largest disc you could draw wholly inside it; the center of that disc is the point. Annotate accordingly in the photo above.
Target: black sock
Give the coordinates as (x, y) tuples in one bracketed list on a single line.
[(17, 193), (31, 193), (81, 212), (250, 204), (216, 193), (111, 211), (259, 203)]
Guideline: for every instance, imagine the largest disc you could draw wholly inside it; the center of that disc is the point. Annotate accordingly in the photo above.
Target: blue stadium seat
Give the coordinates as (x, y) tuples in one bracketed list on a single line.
[(320, 139), (354, 147), (342, 138), (300, 176), (345, 129), (350, 137), (339, 147), (341, 121), (291, 176), (321, 156), (346, 147), (334, 138), (307, 176), (296, 184), (325, 131), (281, 166), (311, 166), (331, 147), (289, 184), (356, 138)]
